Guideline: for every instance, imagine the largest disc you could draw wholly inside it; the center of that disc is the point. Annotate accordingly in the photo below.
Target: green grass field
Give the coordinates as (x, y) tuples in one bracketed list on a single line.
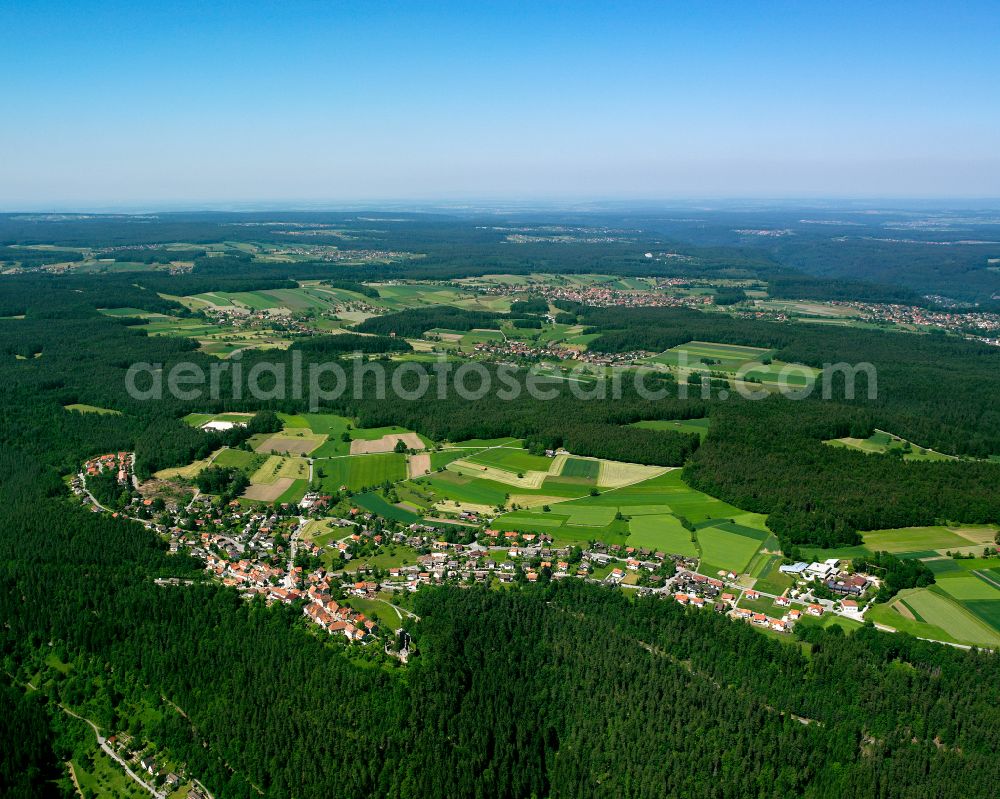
[(986, 610), (889, 614), (333, 427), (359, 472), (768, 577), (650, 507), (381, 612), (247, 462), (580, 468), (666, 494), (937, 609), (375, 433), (722, 357), (663, 533), (81, 408), (696, 426), (442, 458), (483, 443), (294, 493), (725, 550), (530, 521), (967, 585), (376, 504), (586, 516), (511, 460), (448, 485), (881, 442), (913, 539)]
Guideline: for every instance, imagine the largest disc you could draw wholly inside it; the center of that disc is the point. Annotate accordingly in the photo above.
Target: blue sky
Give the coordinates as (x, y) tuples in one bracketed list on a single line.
[(348, 100)]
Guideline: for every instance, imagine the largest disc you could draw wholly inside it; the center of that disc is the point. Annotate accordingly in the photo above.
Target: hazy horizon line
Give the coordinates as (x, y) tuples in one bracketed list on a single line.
[(486, 203)]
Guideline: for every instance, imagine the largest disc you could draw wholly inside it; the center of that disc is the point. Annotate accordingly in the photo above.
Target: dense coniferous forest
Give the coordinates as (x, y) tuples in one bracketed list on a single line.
[(417, 321), (558, 690), (350, 342)]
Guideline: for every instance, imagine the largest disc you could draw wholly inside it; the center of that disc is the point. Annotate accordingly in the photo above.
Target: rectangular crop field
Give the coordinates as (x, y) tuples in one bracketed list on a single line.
[(963, 586), (913, 539), (483, 443), (615, 474), (583, 516), (294, 493), (529, 521), (939, 610), (376, 504), (661, 533), (512, 460), (986, 610), (442, 458), (358, 472), (453, 486), (580, 468), (291, 441), (722, 549)]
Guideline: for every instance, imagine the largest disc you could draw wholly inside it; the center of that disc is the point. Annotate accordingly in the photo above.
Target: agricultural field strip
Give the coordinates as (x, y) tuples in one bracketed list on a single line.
[(559, 500)]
